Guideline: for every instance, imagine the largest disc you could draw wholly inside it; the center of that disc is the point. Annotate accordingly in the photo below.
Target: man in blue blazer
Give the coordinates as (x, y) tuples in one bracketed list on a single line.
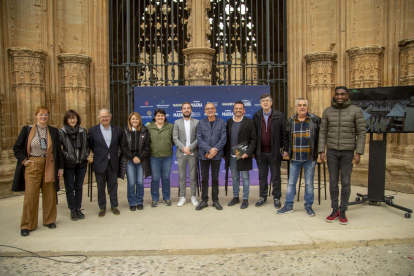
[(104, 140), (211, 138)]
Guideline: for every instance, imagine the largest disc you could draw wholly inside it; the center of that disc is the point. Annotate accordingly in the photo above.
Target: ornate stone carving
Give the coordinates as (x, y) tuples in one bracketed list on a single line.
[(74, 82), (406, 61), (365, 66), (28, 82), (199, 65), (320, 80)]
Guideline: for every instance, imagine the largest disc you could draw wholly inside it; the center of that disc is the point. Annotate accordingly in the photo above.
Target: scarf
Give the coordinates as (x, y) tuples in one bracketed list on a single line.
[(75, 135)]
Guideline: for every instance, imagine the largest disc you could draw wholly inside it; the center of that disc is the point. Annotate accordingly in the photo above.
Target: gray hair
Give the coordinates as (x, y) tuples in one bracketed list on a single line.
[(104, 110), (301, 99)]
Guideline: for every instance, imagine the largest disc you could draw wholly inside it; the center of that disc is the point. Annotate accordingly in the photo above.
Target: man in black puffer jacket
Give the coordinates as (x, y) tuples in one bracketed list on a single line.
[(343, 131)]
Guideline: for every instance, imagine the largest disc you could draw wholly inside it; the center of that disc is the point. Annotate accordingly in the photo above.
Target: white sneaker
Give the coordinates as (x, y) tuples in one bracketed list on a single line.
[(181, 202), (194, 201)]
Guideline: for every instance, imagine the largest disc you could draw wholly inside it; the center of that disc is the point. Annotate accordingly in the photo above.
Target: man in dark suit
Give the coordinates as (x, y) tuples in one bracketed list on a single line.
[(104, 141), (240, 129)]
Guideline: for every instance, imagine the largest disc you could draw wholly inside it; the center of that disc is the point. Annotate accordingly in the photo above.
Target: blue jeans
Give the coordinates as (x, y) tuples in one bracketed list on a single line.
[(135, 178), (74, 186), (160, 167), (295, 166), (235, 176)]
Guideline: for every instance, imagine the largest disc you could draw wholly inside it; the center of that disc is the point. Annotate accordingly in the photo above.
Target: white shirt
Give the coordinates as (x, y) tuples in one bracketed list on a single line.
[(187, 124)]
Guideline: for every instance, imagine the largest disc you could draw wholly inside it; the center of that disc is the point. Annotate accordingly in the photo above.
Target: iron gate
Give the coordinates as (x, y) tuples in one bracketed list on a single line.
[(146, 39)]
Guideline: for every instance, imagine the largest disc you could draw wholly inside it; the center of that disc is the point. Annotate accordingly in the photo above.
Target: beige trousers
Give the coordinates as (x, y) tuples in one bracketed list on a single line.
[(34, 178)]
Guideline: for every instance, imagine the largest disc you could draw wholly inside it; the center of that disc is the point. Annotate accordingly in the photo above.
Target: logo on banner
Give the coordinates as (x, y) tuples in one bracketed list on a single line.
[(162, 105), (196, 104), (227, 104), (227, 113), (247, 102), (177, 105), (177, 114), (149, 113), (195, 114), (146, 103)]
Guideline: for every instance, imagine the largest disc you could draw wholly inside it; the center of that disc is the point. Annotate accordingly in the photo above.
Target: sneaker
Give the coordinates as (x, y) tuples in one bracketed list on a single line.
[(333, 216), (73, 215), (80, 214), (181, 202), (167, 202), (217, 205), (261, 202), (277, 203), (154, 204), (101, 213), (140, 207), (234, 201), (342, 217), (115, 211), (284, 210), (194, 201), (202, 205), (244, 204), (309, 211)]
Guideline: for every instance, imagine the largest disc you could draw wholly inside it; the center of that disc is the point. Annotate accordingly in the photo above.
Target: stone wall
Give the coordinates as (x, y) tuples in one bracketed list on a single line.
[(364, 43), (53, 53)]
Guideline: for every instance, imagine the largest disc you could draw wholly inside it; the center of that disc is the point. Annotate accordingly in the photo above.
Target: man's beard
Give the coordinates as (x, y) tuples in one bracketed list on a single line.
[(187, 116)]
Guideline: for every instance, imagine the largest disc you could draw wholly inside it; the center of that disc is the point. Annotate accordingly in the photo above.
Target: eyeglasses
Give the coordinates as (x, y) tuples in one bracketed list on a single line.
[(73, 119), (210, 108), (105, 117), (43, 115), (265, 100)]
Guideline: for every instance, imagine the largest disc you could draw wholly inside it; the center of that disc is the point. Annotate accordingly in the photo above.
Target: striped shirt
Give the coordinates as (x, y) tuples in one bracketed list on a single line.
[(301, 139)]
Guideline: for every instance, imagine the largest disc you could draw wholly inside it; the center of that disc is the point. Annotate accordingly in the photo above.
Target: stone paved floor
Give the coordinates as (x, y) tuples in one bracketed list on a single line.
[(372, 260)]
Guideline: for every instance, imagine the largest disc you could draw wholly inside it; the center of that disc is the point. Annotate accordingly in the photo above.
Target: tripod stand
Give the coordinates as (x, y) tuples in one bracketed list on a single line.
[(376, 177)]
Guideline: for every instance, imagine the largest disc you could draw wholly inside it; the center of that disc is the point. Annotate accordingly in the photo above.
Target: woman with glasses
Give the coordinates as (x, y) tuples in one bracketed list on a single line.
[(135, 151), (39, 165), (75, 146), (161, 157)]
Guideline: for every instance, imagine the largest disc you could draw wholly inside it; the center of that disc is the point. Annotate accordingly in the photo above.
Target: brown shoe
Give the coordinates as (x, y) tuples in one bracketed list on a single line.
[(115, 211), (101, 213)]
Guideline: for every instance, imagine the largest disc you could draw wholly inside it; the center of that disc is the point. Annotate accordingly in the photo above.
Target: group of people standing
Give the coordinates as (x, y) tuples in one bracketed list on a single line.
[(45, 154)]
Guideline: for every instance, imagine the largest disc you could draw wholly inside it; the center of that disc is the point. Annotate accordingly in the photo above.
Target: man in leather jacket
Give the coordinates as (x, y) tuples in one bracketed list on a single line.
[(303, 129)]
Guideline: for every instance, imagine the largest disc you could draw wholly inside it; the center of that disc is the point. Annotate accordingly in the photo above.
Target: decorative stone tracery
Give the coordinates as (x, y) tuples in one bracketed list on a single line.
[(74, 82), (406, 61), (320, 80), (365, 64), (199, 65), (28, 82)]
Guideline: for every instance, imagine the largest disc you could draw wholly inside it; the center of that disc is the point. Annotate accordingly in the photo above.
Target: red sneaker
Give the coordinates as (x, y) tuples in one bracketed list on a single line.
[(333, 216), (342, 217)]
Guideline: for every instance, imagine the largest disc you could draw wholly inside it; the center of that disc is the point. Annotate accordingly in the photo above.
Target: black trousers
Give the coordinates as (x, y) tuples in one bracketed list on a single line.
[(340, 161), (264, 164), (108, 178), (215, 169)]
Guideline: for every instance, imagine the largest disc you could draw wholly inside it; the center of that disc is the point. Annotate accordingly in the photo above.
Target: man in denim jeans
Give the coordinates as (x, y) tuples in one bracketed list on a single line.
[(303, 129), (240, 129), (343, 132)]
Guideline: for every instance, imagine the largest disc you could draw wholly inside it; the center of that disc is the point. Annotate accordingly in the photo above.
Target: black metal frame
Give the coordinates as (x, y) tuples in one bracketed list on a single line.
[(138, 28)]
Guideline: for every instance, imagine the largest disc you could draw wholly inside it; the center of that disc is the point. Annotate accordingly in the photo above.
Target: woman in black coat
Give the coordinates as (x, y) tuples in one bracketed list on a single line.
[(39, 165), (135, 150), (75, 148)]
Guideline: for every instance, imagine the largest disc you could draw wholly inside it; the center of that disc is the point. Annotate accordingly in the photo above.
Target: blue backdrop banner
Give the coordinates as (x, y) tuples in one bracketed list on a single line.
[(170, 98)]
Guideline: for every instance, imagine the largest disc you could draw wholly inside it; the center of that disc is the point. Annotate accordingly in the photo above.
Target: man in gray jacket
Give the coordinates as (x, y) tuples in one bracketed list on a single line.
[(185, 138), (343, 133)]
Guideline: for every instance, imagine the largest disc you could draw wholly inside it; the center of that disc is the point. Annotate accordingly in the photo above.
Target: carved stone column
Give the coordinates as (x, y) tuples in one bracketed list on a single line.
[(74, 82), (365, 66), (320, 80), (406, 61), (199, 54), (28, 82)]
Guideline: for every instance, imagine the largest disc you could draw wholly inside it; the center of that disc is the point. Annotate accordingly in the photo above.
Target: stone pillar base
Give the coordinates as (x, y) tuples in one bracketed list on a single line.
[(199, 65)]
